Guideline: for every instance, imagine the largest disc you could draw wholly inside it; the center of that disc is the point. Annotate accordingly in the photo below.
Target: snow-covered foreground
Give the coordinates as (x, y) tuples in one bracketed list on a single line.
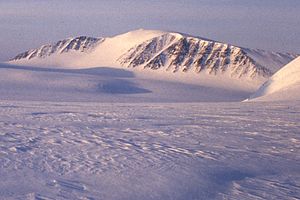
[(149, 151)]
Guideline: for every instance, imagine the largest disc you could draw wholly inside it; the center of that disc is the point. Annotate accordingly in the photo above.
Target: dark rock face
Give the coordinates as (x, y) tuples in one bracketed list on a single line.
[(81, 44), (188, 53)]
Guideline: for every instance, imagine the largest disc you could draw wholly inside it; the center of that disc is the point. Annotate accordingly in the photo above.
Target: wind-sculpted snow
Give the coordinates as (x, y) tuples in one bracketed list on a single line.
[(149, 151)]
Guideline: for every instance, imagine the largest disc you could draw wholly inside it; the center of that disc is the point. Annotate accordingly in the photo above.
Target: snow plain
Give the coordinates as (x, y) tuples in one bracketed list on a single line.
[(56, 150)]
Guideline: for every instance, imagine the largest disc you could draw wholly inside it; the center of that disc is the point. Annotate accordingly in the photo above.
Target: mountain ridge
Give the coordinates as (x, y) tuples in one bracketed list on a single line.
[(171, 51)]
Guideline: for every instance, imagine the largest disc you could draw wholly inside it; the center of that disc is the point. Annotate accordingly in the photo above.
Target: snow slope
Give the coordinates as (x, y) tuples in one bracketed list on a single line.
[(168, 51), (105, 84), (283, 85)]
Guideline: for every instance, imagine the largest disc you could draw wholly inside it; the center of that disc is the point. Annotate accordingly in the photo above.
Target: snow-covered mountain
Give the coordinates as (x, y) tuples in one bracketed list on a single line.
[(283, 85), (158, 50), (82, 44)]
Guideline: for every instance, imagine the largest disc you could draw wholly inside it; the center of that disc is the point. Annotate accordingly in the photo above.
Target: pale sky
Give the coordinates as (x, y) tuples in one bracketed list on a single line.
[(265, 24)]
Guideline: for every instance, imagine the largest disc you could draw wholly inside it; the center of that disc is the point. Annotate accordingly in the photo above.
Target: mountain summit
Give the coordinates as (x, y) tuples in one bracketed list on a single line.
[(158, 50)]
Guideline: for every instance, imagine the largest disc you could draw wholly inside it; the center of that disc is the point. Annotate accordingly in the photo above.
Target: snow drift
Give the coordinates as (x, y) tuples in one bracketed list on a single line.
[(283, 85)]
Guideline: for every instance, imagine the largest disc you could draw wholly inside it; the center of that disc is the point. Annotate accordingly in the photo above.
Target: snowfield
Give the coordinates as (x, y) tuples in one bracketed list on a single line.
[(149, 151)]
